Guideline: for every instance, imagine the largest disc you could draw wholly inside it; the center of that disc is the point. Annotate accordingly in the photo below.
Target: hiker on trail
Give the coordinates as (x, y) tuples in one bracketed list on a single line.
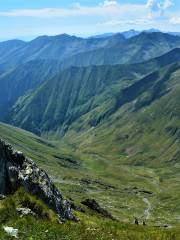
[(136, 221)]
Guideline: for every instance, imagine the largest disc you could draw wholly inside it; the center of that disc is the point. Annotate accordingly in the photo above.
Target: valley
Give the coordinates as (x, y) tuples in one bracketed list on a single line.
[(104, 122)]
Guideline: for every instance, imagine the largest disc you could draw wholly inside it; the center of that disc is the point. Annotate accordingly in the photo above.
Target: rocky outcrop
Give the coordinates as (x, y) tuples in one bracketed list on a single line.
[(18, 171), (94, 205)]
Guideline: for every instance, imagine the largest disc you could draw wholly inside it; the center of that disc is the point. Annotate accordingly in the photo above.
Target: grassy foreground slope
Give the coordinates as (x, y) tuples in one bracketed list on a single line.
[(91, 225), (45, 226)]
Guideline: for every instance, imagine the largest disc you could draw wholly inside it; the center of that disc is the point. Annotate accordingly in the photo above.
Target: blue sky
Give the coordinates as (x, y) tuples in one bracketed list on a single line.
[(27, 19)]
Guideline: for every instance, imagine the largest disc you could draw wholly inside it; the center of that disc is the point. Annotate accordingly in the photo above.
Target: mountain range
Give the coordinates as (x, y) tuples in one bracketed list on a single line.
[(19, 64), (72, 50), (88, 94), (101, 115), (131, 33)]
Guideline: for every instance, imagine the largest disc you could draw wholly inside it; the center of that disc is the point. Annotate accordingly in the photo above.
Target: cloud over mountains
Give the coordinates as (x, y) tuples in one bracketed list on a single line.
[(107, 15)]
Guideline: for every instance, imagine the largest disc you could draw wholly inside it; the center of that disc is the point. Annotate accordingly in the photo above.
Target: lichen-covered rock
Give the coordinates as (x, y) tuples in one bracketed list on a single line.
[(18, 171)]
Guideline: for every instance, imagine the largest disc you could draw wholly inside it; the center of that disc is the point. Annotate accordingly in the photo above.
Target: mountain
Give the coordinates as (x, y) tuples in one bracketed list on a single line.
[(85, 94), (104, 35), (58, 97), (69, 89), (174, 33), (75, 51), (130, 33), (44, 47), (144, 129), (136, 49), (20, 61), (7, 49), (25, 65), (18, 81), (127, 34)]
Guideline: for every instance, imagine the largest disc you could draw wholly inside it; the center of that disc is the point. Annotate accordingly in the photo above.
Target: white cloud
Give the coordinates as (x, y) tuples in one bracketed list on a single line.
[(167, 4), (151, 4), (108, 16), (175, 20), (126, 22), (108, 13), (53, 12), (107, 9), (159, 5), (110, 3)]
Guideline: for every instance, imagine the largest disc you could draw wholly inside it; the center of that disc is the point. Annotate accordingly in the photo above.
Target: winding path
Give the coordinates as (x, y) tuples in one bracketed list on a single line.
[(147, 213)]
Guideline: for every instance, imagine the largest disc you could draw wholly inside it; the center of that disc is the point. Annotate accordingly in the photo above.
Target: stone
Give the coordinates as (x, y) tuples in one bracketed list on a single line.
[(25, 211), (18, 171), (2, 197), (94, 205), (11, 231), (77, 208)]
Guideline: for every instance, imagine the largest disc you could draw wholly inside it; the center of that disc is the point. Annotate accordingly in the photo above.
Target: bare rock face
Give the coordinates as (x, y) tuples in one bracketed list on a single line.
[(18, 171)]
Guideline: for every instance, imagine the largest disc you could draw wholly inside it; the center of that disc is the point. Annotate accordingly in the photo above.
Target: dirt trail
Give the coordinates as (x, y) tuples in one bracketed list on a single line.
[(147, 213)]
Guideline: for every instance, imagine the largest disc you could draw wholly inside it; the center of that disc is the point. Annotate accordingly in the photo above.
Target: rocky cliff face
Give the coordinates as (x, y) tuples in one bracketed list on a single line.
[(18, 171)]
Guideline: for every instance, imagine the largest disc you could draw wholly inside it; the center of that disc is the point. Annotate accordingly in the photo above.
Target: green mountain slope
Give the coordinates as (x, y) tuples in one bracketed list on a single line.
[(59, 97), (22, 67), (145, 129), (143, 134), (126, 160), (89, 95), (20, 80)]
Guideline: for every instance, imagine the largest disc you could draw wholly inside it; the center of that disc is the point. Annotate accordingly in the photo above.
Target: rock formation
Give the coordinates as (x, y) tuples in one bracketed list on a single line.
[(94, 205), (18, 171)]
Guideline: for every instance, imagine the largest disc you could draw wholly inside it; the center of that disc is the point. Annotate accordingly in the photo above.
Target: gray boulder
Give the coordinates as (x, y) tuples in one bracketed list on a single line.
[(25, 211), (18, 171)]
